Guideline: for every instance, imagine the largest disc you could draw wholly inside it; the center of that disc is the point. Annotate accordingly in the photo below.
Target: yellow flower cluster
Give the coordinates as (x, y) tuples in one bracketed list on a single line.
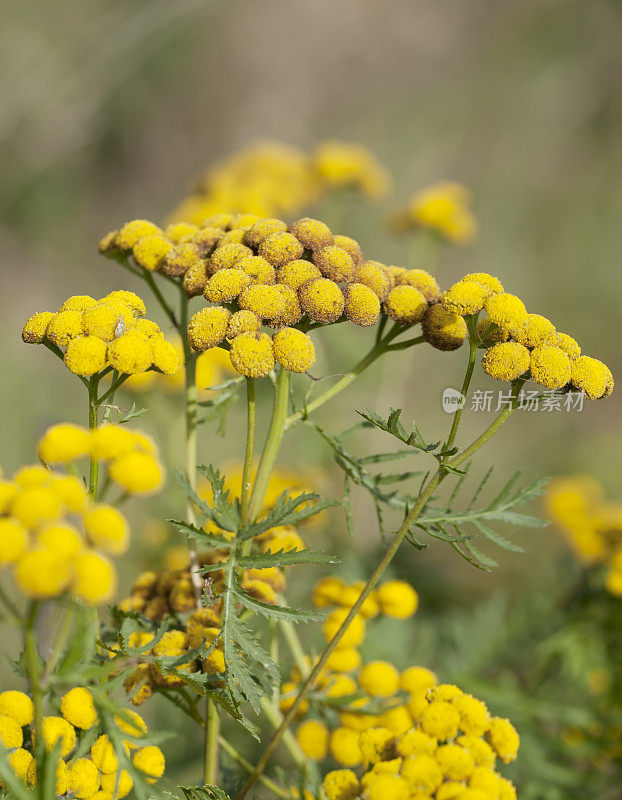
[(273, 179), (444, 208), (99, 334), (591, 525), (52, 536), (78, 775), (131, 457), (519, 344)]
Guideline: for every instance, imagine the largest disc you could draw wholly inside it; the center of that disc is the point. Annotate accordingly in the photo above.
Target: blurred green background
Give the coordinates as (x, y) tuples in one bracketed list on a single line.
[(111, 109)]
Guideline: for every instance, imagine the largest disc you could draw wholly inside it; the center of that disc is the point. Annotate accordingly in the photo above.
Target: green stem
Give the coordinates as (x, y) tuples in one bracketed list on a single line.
[(62, 636), (276, 719), (33, 674), (250, 446), (465, 388), (386, 559), (117, 381), (279, 791), (272, 445), (148, 277), (210, 760), (93, 385)]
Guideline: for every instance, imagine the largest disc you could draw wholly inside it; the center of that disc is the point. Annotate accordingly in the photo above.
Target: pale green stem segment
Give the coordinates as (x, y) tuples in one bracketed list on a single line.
[(276, 719), (93, 385), (250, 447), (386, 559), (64, 631), (465, 383), (34, 671)]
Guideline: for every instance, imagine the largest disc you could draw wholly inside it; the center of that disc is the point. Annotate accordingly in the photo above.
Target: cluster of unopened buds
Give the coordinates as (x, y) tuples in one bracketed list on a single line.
[(94, 336), (522, 345), (84, 771)]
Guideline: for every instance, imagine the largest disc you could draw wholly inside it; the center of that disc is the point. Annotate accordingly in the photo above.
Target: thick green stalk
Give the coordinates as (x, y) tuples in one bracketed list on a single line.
[(465, 388), (250, 447), (64, 630), (212, 729), (384, 562), (272, 445), (93, 421)]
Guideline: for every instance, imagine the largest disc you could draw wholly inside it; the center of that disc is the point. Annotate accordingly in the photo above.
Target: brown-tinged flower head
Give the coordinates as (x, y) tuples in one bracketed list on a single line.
[(321, 300), (279, 248), (443, 329), (258, 269), (313, 234), (421, 280), (350, 245), (375, 276), (295, 273)]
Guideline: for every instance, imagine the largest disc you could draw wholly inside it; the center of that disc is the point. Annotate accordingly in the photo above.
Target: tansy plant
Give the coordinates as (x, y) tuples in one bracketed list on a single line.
[(256, 291)]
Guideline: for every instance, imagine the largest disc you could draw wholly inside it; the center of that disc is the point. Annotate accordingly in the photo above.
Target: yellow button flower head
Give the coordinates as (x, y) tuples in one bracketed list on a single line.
[(36, 326), (397, 599), (63, 443), (131, 723), (480, 751), (350, 246), (107, 529), (491, 282), (473, 714), (95, 578), (62, 776), (503, 738), (18, 706), (379, 787), (293, 349), (208, 327), (344, 747), (265, 301), (149, 251), (243, 322), (535, 330), (13, 541), (565, 343), (41, 573), (55, 729), (465, 297), (279, 248), (417, 679), (83, 778), (126, 298), (252, 354), (295, 273), (225, 285), (362, 306), (130, 353), (111, 441), (506, 310), (376, 744), (312, 736), (506, 361), (122, 783), (149, 760), (165, 357), (137, 473), (350, 165), (327, 591), (78, 709), (10, 733), (415, 742), (421, 280), (485, 780), (423, 772), (132, 231), (591, 376), (64, 327), (103, 755), (354, 634), (374, 275), (20, 761), (195, 279), (181, 232), (107, 320), (292, 312), (506, 790), (379, 679), (261, 229), (258, 270), (444, 330), (351, 594), (405, 305), (63, 540), (443, 207), (321, 300), (86, 355), (550, 366), (440, 719), (341, 784), (179, 259), (334, 263), (312, 233), (455, 762), (35, 505)]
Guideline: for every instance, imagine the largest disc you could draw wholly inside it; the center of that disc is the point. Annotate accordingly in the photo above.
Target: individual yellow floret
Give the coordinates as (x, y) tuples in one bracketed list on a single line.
[(351, 246), (61, 785), (415, 742), (149, 251), (362, 306), (355, 632), (227, 256), (130, 353), (421, 280), (208, 327), (380, 787), (63, 540), (195, 278), (321, 300), (312, 736), (259, 230), (86, 355), (295, 273), (334, 263), (440, 719), (465, 297), (180, 259), (55, 729), (64, 327), (257, 269), (95, 578), (379, 679), (107, 529), (225, 285), (36, 326), (327, 591), (397, 599), (181, 232), (591, 376), (535, 330), (341, 784), (150, 760), (104, 756), (506, 361), (34, 505), (279, 248), (312, 233), (243, 322), (10, 733), (41, 573), (503, 738), (123, 784), (405, 305), (83, 778), (18, 706), (377, 744), (293, 349), (473, 714), (506, 310), (422, 772), (13, 541), (132, 231), (550, 366), (165, 357), (444, 330), (265, 301), (63, 443), (455, 762), (491, 282), (252, 354), (417, 679), (566, 343), (20, 761), (344, 747), (137, 473)]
